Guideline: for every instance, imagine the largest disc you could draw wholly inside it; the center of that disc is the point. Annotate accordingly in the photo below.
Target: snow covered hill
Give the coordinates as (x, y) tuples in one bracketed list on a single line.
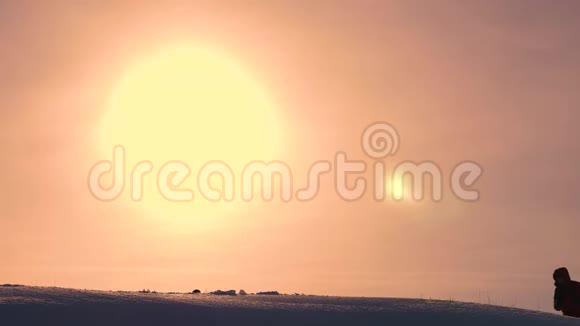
[(56, 306)]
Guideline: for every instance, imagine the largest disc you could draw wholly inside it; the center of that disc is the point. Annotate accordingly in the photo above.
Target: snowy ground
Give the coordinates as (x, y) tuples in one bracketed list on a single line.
[(63, 307)]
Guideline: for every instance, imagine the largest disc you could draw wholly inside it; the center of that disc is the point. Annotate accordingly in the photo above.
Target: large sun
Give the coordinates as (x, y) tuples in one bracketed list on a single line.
[(195, 105)]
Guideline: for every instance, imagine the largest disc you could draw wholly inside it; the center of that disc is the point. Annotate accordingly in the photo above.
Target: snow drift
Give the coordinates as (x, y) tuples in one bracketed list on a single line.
[(29, 306)]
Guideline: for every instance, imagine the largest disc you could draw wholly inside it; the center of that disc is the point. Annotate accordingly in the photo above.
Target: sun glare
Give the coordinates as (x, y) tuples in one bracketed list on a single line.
[(399, 189), (195, 105)]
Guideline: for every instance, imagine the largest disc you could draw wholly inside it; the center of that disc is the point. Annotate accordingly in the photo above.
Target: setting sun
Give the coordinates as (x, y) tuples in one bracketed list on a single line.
[(193, 105)]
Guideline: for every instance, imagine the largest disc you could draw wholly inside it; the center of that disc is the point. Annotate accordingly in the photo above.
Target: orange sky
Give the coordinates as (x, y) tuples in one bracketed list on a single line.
[(486, 81)]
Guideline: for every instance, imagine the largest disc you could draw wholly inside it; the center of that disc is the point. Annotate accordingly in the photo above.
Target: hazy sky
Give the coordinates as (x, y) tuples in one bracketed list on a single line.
[(495, 82)]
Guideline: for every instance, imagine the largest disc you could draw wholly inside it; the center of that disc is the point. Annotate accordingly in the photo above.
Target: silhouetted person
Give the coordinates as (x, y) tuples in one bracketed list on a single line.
[(567, 293)]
